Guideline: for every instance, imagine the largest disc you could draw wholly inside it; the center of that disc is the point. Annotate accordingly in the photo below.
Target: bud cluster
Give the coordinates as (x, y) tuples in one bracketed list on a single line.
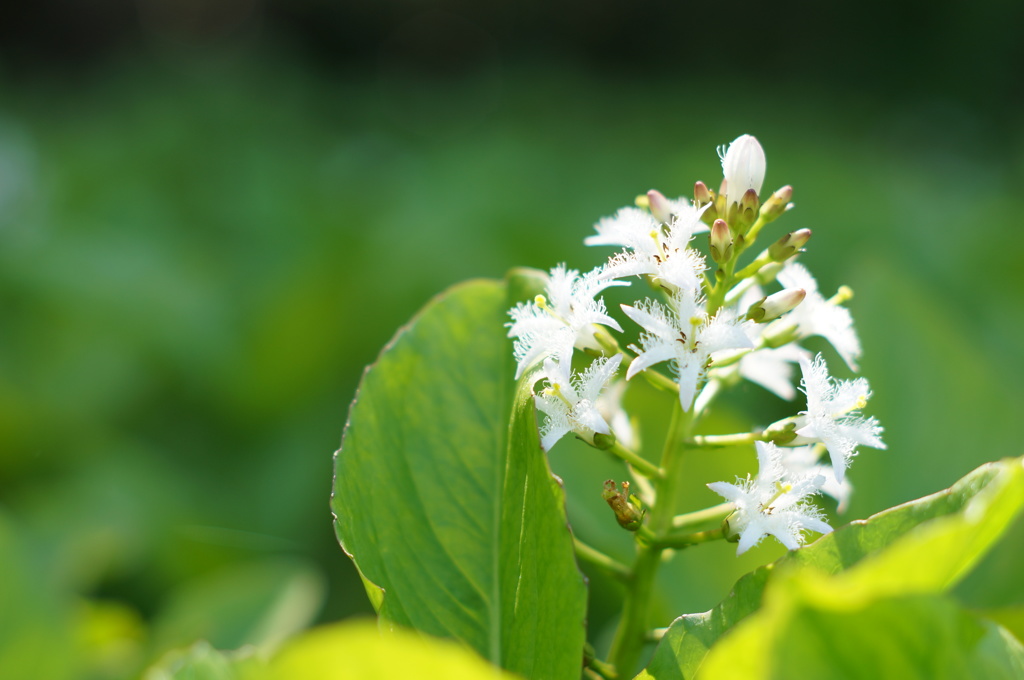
[(711, 323)]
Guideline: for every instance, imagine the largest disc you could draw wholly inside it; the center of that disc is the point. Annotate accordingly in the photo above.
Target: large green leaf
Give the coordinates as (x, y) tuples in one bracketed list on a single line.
[(443, 497), (354, 650), (923, 546), (811, 627), (360, 651)]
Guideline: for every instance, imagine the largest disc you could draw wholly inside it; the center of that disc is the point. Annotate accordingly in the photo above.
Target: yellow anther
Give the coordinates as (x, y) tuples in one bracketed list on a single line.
[(656, 235), (780, 490), (541, 301), (555, 390), (862, 401)]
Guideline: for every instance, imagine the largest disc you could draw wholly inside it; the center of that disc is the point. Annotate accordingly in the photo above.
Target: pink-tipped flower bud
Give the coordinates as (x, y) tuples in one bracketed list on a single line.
[(701, 193), (789, 245), (660, 206), (743, 166), (720, 241), (743, 215), (777, 204), (775, 305)]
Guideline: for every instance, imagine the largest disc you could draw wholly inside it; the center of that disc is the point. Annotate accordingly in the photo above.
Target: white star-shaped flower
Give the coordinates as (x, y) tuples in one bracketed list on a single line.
[(663, 254), (832, 416), (817, 316), (609, 405), (771, 368), (772, 503), (570, 401), (684, 335), (565, 318), (801, 461)]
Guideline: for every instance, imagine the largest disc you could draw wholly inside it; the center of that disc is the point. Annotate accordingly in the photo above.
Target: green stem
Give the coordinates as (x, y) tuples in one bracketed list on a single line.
[(600, 669), (678, 541), (721, 440), (694, 519), (639, 463), (662, 382), (751, 234), (629, 639), (755, 266), (716, 298), (594, 556)]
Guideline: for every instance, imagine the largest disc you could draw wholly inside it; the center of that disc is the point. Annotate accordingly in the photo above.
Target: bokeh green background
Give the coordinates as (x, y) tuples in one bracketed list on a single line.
[(212, 216)]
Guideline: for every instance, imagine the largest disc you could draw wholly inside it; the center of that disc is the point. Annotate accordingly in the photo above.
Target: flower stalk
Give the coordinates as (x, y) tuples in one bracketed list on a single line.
[(712, 322)]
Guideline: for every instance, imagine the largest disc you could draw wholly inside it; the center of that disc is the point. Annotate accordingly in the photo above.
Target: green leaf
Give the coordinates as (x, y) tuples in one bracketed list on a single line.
[(1011, 618), (354, 650), (361, 650), (810, 627), (443, 497), (923, 546)]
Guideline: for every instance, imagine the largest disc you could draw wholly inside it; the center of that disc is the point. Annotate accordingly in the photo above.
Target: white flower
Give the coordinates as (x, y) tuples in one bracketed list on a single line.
[(801, 461), (609, 405), (771, 368), (659, 253), (772, 503), (743, 166), (553, 325), (667, 210), (570, 401), (832, 416), (684, 335), (816, 316)]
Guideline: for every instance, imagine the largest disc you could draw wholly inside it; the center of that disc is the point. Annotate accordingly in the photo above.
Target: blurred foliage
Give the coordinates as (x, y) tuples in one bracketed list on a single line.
[(199, 252)]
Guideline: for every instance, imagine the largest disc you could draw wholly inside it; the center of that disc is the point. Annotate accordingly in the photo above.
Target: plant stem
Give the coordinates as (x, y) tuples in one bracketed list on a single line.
[(629, 639), (599, 559), (721, 440), (693, 519), (686, 540), (660, 381), (639, 463)]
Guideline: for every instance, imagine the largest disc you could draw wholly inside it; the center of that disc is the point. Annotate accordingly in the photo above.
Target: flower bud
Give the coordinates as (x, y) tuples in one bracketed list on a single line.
[(743, 165), (789, 245), (781, 432), (603, 441), (741, 216), (660, 206), (775, 305), (730, 534), (721, 242), (701, 194), (777, 204), (709, 201)]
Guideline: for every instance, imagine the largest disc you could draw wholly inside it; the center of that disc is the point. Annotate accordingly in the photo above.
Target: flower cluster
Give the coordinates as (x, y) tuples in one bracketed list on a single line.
[(709, 323)]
